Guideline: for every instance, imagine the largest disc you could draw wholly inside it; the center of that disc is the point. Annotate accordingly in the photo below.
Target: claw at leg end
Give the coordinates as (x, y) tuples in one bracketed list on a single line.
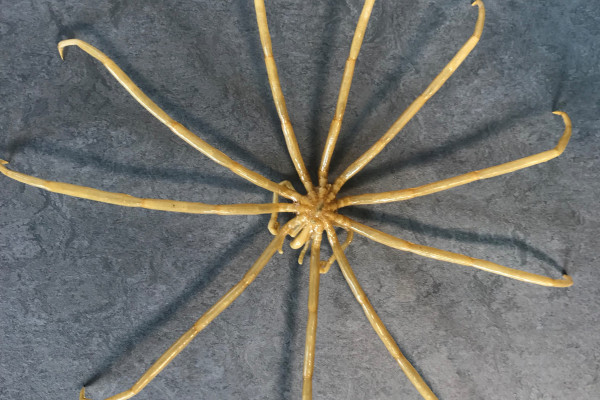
[(562, 142), (566, 281), (61, 48), (74, 42), (82, 394), (121, 396), (64, 43)]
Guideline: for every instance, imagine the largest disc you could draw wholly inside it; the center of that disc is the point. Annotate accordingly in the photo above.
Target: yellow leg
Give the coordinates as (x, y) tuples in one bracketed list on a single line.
[(444, 184), (416, 105), (380, 329), (311, 325), (286, 125), (181, 131), (448, 256), (206, 319), (340, 108), (126, 200)]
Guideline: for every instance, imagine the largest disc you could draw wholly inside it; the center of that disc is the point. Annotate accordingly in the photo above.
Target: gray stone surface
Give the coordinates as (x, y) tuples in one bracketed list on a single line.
[(93, 293)]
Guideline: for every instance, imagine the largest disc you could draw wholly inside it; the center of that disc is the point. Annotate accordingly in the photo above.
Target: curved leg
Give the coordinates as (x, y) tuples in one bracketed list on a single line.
[(286, 125), (444, 184), (311, 325), (181, 131), (203, 322), (126, 200), (340, 108), (416, 105), (380, 329), (451, 257)]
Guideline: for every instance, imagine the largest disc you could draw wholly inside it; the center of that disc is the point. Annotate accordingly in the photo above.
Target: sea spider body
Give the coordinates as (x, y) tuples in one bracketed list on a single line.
[(314, 214)]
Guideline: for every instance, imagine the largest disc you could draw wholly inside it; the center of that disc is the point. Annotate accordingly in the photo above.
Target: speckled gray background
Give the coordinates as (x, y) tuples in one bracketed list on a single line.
[(92, 293)]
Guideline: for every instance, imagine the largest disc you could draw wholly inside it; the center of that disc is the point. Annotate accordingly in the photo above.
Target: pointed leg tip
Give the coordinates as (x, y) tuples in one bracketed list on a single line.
[(61, 50), (565, 117), (567, 280), (561, 113), (64, 43), (3, 162), (477, 3), (82, 394)]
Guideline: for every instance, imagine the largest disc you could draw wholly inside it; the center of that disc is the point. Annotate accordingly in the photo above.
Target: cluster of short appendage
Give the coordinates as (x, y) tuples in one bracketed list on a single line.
[(316, 211)]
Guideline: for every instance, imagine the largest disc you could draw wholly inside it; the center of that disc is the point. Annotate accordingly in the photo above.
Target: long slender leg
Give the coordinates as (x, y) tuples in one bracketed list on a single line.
[(311, 325), (416, 105), (126, 200), (451, 257), (181, 131), (206, 319), (340, 108), (286, 125), (380, 329), (444, 184)]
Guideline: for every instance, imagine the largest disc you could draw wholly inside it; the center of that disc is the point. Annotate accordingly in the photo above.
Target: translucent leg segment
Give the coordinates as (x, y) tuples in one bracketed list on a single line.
[(181, 131), (126, 200), (416, 105), (448, 256), (286, 125), (376, 323), (444, 184), (206, 319)]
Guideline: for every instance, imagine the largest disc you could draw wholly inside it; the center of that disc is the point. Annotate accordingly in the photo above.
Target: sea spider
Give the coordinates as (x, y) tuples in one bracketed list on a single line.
[(316, 211)]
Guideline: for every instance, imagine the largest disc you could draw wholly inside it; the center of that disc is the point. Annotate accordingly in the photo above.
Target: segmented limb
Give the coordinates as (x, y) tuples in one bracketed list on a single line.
[(340, 108), (445, 184), (126, 200), (451, 257), (325, 266), (380, 329), (273, 224), (416, 105), (311, 325), (286, 125), (181, 131), (206, 319)]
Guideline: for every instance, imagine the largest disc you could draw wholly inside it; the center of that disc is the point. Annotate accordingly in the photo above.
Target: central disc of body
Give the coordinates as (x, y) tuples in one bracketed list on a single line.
[(320, 202), (315, 207)]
